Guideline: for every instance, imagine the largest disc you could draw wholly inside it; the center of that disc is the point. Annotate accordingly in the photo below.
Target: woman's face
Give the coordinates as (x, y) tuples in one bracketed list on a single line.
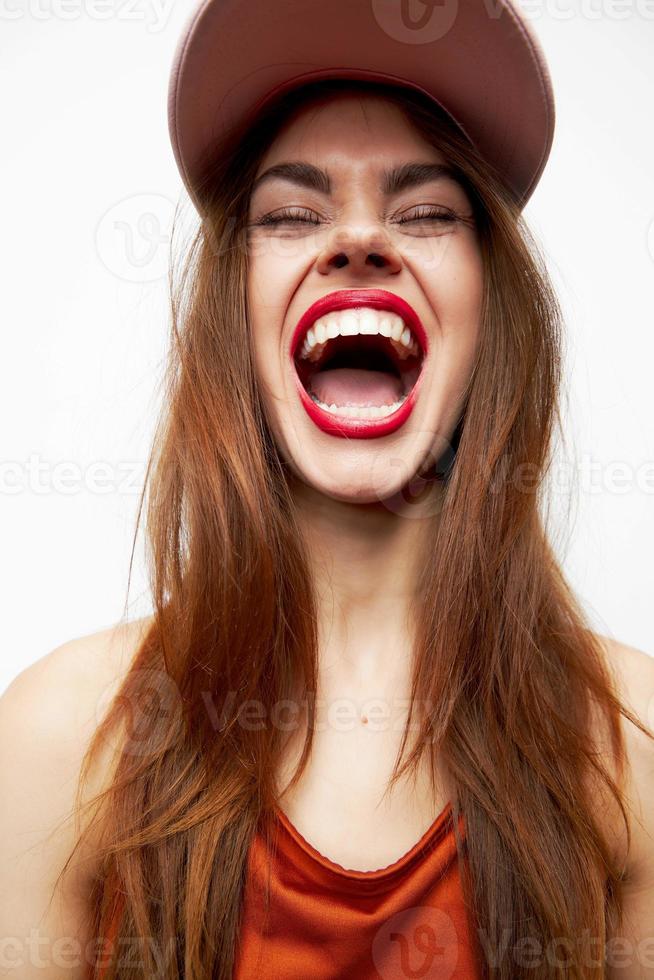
[(345, 225)]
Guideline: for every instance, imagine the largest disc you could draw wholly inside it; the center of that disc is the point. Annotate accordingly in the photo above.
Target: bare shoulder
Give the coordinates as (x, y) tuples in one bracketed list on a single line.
[(83, 661), (633, 670), (48, 715), (55, 704)]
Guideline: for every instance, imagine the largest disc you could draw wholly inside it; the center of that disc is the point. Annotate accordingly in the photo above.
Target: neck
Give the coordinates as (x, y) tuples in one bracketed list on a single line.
[(364, 560)]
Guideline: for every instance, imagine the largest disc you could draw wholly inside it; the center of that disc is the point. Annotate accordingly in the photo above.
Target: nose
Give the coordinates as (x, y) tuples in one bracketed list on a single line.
[(361, 247)]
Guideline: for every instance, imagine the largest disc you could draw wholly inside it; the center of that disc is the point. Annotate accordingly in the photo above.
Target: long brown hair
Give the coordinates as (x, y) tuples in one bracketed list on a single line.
[(519, 690)]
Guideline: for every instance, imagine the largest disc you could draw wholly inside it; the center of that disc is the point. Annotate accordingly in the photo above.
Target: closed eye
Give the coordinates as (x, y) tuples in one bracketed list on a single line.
[(281, 217), (430, 215)]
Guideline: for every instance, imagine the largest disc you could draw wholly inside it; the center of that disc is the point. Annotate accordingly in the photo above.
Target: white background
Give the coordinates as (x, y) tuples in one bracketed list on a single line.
[(85, 156)]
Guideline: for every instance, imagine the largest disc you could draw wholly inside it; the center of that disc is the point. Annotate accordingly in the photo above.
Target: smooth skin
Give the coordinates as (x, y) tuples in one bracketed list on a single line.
[(362, 544), (47, 716), (363, 539)]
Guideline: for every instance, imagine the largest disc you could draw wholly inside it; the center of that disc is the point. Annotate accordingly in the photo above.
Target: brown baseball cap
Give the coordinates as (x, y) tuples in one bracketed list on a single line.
[(478, 59)]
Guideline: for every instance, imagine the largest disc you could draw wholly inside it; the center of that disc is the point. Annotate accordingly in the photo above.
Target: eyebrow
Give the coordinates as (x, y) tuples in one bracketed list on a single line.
[(392, 181)]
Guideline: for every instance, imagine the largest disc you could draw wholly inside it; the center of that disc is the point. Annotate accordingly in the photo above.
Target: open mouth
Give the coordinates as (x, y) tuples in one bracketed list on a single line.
[(359, 363)]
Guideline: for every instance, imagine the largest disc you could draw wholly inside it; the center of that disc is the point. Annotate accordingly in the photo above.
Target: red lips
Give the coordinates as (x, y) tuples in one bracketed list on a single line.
[(346, 299)]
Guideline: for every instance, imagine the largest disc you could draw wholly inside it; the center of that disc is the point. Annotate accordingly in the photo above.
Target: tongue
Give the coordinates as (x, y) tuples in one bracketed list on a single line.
[(356, 386)]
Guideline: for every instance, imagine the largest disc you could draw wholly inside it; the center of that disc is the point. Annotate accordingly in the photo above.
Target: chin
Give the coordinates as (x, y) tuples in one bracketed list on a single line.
[(359, 473)]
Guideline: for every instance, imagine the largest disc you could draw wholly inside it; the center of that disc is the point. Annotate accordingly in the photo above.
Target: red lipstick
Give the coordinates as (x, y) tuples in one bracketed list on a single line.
[(381, 299)]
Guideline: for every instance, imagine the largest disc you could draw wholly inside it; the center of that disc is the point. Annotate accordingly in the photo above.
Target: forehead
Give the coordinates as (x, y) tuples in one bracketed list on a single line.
[(349, 128)]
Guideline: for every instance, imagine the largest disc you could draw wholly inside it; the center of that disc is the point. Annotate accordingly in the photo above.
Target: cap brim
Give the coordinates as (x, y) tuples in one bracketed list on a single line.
[(480, 61)]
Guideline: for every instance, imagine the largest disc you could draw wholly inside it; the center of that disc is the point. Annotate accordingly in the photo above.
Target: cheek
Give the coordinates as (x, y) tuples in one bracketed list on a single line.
[(275, 262), (257, 317), (266, 357), (458, 291), (265, 303), (273, 275), (456, 296), (275, 268)]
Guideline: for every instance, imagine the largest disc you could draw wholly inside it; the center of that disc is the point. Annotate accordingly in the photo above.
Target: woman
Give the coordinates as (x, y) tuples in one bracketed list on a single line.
[(366, 690)]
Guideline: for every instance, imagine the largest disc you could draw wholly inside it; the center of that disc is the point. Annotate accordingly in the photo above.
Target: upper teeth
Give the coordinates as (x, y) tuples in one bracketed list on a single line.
[(347, 323)]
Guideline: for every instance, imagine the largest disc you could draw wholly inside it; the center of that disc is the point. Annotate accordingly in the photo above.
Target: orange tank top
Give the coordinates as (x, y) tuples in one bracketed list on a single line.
[(327, 922)]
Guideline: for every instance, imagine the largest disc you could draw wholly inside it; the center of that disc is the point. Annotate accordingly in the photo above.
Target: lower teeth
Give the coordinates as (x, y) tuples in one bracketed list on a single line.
[(360, 411)]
